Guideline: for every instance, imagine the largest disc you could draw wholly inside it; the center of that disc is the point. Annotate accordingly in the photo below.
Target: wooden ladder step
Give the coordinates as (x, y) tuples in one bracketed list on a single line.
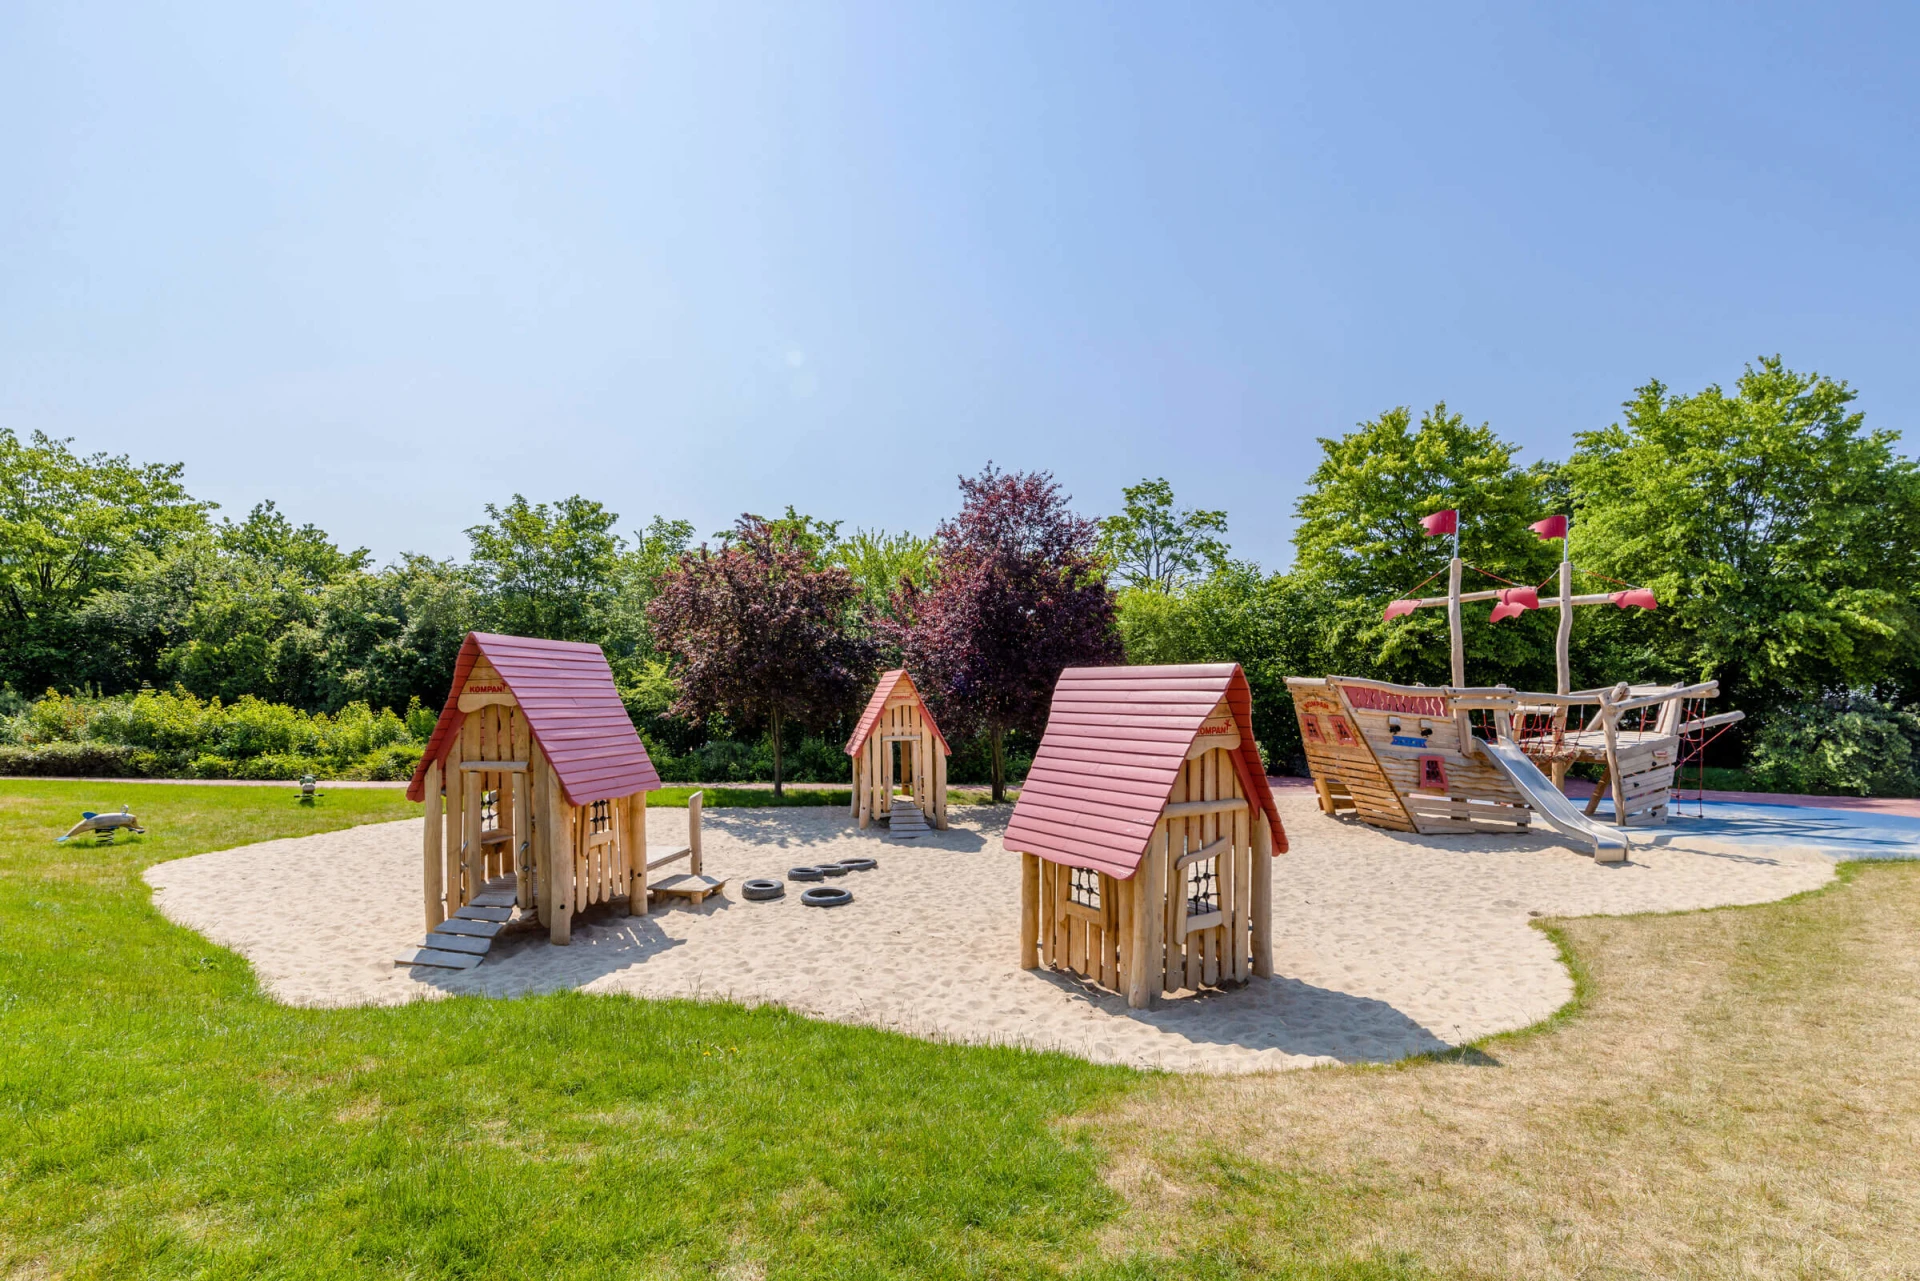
[(478, 912), (496, 898), (470, 929), (457, 943), (438, 958)]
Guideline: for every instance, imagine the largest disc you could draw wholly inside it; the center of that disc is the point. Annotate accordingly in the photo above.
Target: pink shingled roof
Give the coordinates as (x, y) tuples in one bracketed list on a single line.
[(1115, 739), (565, 690), (878, 703)]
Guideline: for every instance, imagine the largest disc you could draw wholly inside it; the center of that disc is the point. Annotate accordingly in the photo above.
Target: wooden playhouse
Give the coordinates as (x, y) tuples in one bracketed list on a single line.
[(895, 745), (1146, 831), (545, 782)]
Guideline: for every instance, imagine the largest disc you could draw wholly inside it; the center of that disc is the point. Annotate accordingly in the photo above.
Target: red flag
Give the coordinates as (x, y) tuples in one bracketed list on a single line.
[(1640, 596), (1551, 528), (1515, 601), (1399, 607), (1446, 522)]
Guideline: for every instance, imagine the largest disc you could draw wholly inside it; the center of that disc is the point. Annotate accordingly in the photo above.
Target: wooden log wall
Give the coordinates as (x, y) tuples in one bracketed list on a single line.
[(514, 820), (1144, 937), (916, 763)]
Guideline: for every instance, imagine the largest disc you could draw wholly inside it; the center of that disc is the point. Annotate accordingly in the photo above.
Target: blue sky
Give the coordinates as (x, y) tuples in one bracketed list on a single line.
[(384, 264)]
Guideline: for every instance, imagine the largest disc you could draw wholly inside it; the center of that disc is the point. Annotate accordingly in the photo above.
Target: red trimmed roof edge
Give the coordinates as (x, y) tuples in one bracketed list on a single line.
[(1159, 755), (557, 684), (878, 703)]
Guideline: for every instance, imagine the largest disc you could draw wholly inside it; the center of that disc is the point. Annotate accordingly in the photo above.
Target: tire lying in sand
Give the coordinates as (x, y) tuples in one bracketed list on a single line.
[(762, 887), (826, 896), (859, 864), (805, 874), (834, 869)]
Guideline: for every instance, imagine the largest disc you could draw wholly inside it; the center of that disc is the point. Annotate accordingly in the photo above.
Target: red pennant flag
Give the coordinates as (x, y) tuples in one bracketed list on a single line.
[(1640, 596), (1551, 528), (1446, 522), (1515, 601), (1399, 607)]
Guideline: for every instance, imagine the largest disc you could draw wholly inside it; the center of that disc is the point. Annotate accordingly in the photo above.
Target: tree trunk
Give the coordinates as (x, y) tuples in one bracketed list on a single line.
[(999, 739), (776, 754)]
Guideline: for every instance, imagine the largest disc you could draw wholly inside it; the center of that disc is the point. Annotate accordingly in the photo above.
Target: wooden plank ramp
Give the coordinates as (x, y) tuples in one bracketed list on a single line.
[(463, 940), (906, 822)]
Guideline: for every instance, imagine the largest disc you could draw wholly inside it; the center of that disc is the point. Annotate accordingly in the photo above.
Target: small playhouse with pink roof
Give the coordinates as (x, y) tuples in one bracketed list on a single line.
[(545, 785), (1147, 832)]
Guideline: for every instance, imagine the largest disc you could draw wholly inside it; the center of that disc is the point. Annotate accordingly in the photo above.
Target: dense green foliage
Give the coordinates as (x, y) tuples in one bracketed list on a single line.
[(173, 734), (1780, 534)]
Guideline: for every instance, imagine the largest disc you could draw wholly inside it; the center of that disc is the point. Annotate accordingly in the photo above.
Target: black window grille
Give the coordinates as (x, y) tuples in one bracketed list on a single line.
[(1203, 887), (490, 810), (602, 815), (1084, 888)]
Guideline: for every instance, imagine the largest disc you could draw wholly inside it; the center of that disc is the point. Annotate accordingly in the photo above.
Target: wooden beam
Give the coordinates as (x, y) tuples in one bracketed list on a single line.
[(559, 859), (1029, 911), (1262, 929), (1195, 809), (1212, 849), (431, 870), (493, 767)]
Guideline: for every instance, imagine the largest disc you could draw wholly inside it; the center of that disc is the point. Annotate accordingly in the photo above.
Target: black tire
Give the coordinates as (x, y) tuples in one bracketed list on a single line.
[(805, 874), (859, 864), (834, 869), (762, 887), (826, 896)]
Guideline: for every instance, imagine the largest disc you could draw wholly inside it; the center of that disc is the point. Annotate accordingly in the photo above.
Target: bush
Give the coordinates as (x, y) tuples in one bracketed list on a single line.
[(77, 760), (174, 734), (1849, 744)]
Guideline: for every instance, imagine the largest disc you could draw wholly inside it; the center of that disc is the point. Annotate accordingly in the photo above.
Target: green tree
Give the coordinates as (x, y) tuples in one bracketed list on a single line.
[(252, 622), (1359, 541), (548, 571), (1273, 625), (1149, 545), (1781, 536), (881, 562), (71, 526)]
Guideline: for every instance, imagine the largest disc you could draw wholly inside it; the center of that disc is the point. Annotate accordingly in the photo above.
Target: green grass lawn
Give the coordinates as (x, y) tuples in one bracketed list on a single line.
[(162, 1118), (1736, 1095)]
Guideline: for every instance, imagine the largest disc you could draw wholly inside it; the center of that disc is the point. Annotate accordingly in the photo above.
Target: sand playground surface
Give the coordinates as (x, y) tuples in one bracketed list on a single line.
[(1385, 945)]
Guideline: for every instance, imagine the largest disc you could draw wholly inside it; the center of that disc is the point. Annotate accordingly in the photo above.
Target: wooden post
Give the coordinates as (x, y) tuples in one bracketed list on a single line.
[(522, 840), (475, 861), (1029, 911), (694, 805), (1238, 924), (1263, 896), (1048, 910), (1563, 657), (541, 785), (1152, 918), (939, 786), (1139, 995), (1458, 647), (853, 791), (430, 867), (637, 854), (1609, 725), (452, 849), (559, 859)]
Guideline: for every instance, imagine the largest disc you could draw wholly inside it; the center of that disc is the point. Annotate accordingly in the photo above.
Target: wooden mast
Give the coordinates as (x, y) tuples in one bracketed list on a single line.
[(1563, 647), (1456, 639)]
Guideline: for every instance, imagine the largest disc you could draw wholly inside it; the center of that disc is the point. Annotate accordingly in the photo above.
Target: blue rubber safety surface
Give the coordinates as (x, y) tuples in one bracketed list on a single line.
[(1840, 834)]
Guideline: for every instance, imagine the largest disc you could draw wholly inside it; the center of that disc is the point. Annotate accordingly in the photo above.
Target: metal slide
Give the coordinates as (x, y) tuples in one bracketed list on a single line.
[(1608, 843)]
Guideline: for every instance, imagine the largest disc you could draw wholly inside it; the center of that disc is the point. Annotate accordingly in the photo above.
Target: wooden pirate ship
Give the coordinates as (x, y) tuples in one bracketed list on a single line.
[(1463, 758)]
